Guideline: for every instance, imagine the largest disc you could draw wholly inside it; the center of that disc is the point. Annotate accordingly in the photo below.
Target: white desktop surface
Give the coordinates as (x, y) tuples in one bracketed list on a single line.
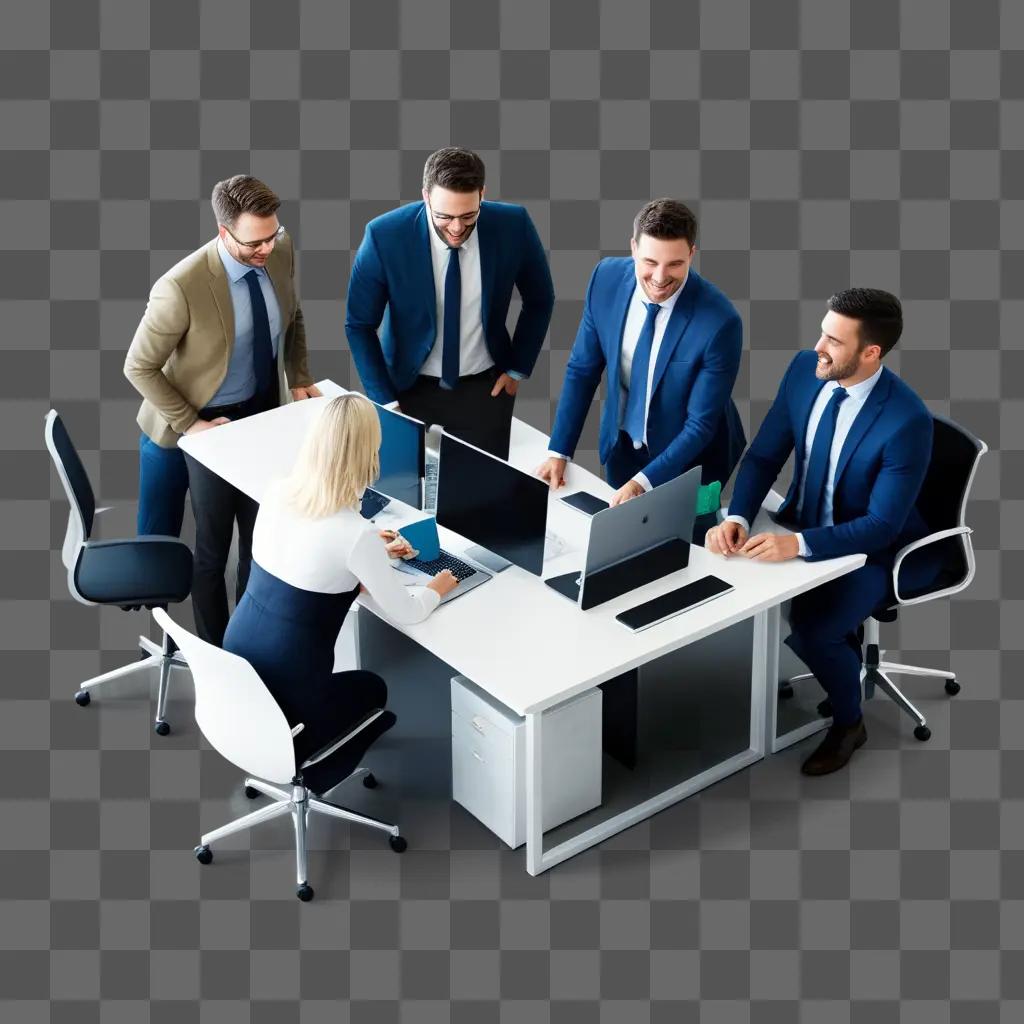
[(514, 637)]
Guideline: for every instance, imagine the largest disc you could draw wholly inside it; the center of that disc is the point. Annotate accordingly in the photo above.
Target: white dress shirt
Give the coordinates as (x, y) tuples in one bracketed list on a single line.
[(635, 317), (331, 555), (857, 395), (473, 354)]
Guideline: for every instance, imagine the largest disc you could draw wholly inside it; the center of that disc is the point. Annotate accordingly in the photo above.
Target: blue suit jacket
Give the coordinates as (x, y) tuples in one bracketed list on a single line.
[(692, 419), (392, 288), (879, 474)]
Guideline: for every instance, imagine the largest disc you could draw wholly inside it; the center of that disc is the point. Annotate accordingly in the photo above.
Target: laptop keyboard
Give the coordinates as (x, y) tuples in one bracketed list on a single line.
[(459, 569)]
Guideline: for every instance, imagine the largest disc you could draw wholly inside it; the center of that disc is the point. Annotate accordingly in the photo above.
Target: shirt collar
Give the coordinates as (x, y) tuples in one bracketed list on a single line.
[(860, 391), (640, 295), (235, 270)]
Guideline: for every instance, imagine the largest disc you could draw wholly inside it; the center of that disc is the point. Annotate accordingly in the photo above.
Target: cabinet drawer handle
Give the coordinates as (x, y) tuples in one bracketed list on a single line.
[(478, 724), (478, 757)]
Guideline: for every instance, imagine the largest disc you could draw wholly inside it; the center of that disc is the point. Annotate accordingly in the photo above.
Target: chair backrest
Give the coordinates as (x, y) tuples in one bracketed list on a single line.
[(956, 452), (234, 709), (942, 503), (81, 502)]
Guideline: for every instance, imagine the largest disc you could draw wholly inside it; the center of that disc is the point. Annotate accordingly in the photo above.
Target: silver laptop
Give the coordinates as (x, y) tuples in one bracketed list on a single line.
[(634, 543)]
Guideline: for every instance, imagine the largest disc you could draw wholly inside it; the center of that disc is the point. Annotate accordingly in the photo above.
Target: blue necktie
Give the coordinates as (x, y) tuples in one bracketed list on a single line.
[(262, 348), (452, 306), (636, 401), (817, 464)]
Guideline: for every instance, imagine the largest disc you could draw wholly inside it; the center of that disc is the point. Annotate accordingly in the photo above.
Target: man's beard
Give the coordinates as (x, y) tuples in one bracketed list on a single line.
[(462, 240)]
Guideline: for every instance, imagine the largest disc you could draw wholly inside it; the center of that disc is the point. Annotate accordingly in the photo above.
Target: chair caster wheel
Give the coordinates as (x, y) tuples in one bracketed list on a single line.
[(397, 843), (952, 687), (785, 691), (305, 893), (252, 793), (204, 854), (161, 728), (922, 733), (82, 698), (370, 781), (825, 708)]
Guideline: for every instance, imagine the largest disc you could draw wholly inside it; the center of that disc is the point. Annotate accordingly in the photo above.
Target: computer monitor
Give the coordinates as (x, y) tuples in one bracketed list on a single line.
[(401, 457), (493, 504)]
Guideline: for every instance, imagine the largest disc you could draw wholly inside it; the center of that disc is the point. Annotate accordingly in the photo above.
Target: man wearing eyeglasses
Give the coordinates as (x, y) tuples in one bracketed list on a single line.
[(222, 338), (428, 299)]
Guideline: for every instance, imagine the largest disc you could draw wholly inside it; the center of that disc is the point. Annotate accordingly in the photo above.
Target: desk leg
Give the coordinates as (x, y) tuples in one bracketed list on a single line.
[(767, 700), (534, 792)]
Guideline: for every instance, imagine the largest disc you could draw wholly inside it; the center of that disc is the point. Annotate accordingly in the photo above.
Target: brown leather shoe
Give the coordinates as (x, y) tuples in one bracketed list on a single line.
[(836, 749)]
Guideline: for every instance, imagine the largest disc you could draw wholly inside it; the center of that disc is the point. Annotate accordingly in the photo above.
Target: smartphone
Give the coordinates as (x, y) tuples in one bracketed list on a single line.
[(585, 502), (650, 613)]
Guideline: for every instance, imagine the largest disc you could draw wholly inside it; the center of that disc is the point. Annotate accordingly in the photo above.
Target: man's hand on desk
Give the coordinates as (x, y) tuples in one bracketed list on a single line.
[(725, 539), (200, 425), (630, 489), (312, 391), (771, 547), (552, 471), (505, 383)]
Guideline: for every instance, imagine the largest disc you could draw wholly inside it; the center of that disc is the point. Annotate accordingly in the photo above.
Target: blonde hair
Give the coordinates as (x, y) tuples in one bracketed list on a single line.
[(339, 458)]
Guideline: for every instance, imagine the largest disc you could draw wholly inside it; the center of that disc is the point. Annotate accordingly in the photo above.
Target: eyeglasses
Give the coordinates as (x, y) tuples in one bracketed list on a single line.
[(464, 218), (270, 240)]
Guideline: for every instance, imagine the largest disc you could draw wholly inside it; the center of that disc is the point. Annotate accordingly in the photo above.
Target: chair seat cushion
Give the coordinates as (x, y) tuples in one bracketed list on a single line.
[(141, 570)]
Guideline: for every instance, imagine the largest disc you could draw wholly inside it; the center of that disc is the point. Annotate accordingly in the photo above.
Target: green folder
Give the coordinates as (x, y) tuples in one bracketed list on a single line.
[(709, 498)]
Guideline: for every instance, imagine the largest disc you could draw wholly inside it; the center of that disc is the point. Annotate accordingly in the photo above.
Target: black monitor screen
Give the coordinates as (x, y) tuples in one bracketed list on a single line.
[(492, 504), (401, 458)]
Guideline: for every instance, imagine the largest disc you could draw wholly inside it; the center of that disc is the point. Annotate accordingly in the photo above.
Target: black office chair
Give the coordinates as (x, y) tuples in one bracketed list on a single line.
[(942, 504), (150, 572)]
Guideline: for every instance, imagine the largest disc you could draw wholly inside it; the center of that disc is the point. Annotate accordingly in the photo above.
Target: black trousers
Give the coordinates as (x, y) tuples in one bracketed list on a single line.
[(217, 506), (468, 411)]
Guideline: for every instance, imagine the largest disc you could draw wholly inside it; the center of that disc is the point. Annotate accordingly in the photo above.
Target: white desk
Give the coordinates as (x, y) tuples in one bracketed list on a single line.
[(548, 649)]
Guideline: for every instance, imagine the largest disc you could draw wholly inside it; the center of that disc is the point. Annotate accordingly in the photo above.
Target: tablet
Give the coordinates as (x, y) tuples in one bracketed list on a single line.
[(585, 502), (650, 613)]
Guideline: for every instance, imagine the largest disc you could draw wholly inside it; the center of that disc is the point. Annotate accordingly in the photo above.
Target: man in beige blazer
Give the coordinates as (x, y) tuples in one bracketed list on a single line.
[(222, 338)]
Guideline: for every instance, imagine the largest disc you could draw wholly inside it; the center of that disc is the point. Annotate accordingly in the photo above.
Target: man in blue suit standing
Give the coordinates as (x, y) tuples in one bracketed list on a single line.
[(862, 441), (428, 298), (670, 341)]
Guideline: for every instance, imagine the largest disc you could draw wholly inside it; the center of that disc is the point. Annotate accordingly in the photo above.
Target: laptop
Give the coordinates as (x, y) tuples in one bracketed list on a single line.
[(635, 543)]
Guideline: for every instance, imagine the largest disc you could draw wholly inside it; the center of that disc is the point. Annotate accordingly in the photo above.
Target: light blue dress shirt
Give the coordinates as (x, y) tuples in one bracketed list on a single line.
[(240, 382), (847, 413)]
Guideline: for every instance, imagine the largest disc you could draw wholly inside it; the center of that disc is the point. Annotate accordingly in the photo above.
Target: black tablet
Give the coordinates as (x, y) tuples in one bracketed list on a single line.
[(585, 502), (650, 613)]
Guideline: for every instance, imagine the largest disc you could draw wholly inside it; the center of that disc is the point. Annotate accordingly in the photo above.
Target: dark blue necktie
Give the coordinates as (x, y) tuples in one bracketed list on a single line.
[(452, 306), (262, 348), (817, 464), (636, 401)]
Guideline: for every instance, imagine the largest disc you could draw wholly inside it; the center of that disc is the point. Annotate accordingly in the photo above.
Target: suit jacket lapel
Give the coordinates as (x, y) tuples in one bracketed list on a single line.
[(488, 243), (620, 306), (423, 267), (682, 313), (221, 294), (862, 424)]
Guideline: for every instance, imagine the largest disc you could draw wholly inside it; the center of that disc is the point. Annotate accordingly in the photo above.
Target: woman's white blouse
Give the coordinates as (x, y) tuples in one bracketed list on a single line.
[(332, 555)]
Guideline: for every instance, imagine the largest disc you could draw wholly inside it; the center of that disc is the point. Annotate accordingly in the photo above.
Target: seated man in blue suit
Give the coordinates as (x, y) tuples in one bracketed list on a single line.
[(671, 343), (862, 440), (436, 279)]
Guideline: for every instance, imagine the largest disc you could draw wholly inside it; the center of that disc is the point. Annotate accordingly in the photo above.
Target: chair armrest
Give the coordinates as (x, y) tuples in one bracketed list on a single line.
[(932, 538), (338, 744), (298, 729)]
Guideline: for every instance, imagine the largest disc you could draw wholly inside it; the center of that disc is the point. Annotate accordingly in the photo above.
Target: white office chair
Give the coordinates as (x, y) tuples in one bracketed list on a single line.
[(131, 573), (942, 503), (241, 720)]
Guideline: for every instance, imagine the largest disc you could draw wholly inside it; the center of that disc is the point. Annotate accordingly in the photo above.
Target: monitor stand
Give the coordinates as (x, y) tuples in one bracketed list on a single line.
[(488, 559)]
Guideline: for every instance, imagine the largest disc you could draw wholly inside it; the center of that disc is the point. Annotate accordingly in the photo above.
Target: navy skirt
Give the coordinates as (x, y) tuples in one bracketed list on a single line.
[(288, 634)]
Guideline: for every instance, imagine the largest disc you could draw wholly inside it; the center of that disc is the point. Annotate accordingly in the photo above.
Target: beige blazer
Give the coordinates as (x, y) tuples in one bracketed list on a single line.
[(180, 353)]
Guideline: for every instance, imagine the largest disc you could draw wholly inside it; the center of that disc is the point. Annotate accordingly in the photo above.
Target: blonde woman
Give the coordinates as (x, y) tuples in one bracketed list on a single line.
[(311, 554)]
